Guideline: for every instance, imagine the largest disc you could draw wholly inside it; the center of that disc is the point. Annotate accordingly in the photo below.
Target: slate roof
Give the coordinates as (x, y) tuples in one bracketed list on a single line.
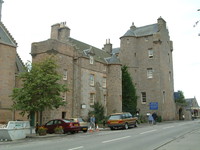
[(99, 55), (19, 64), (142, 31), (6, 37)]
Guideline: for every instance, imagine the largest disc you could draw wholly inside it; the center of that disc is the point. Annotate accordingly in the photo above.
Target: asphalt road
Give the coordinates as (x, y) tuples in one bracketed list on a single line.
[(182, 135)]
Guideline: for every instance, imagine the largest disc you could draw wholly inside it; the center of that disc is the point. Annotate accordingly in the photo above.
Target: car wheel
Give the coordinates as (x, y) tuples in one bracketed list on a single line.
[(72, 132), (84, 131), (111, 128), (126, 126)]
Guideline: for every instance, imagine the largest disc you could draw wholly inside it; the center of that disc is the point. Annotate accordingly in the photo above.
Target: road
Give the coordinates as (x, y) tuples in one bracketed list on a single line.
[(182, 135)]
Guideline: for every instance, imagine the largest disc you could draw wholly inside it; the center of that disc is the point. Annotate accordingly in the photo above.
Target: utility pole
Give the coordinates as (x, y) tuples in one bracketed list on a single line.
[(1, 2)]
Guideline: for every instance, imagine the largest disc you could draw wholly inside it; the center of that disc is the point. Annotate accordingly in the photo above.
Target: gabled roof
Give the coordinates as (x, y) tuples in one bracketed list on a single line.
[(6, 37), (142, 31), (88, 50)]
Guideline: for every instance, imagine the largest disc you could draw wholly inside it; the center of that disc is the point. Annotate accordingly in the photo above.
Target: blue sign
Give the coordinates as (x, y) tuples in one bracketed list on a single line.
[(153, 105)]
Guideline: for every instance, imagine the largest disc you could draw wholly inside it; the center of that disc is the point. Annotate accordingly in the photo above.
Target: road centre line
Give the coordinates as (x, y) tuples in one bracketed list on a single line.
[(148, 131), (116, 139), (168, 127), (76, 148)]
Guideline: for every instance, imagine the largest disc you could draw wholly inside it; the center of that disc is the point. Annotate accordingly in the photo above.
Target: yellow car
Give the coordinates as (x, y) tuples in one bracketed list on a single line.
[(83, 124), (121, 120)]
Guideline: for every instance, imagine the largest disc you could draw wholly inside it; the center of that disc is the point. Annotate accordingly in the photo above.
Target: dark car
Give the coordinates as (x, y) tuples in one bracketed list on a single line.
[(67, 125), (121, 120)]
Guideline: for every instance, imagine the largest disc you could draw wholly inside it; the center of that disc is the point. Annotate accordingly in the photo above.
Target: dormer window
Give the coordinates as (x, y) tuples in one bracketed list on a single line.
[(91, 60)]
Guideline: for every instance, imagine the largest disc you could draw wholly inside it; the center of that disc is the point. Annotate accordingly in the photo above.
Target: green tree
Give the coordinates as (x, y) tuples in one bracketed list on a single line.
[(98, 112), (180, 98), (129, 97), (40, 88)]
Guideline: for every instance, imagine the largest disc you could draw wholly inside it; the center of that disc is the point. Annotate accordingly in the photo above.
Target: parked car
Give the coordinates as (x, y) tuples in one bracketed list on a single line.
[(67, 125), (121, 120), (83, 124)]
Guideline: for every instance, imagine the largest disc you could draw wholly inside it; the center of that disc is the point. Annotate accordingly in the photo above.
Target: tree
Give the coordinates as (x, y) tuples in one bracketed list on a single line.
[(98, 112), (40, 88), (129, 97), (180, 98)]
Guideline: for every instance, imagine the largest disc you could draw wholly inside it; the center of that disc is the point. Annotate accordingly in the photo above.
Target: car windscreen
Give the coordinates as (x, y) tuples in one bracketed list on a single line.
[(114, 117)]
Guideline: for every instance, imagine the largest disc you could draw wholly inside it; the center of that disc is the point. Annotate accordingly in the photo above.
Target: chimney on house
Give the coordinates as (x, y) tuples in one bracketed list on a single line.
[(108, 46), (1, 2), (60, 31), (161, 23)]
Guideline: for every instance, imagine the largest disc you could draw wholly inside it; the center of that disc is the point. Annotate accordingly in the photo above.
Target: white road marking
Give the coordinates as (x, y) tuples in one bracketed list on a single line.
[(148, 131), (116, 139), (76, 148), (168, 127)]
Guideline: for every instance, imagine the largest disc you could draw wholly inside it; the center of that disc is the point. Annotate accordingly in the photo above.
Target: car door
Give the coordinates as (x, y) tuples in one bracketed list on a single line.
[(50, 126)]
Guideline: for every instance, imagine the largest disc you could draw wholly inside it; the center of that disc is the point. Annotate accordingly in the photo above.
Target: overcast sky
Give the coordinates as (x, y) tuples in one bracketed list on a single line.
[(94, 21)]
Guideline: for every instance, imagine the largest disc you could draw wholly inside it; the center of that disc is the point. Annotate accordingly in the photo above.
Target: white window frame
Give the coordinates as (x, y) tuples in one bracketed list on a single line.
[(92, 97), (91, 79), (149, 73), (104, 82), (64, 96), (143, 97), (150, 53), (65, 74)]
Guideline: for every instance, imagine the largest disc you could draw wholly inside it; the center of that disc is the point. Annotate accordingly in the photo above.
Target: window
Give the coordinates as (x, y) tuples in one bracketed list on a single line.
[(163, 96), (65, 74), (91, 98), (104, 82), (91, 79), (105, 99), (150, 53), (149, 73), (63, 115), (64, 96), (170, 75), (143, 97), (91, 60)]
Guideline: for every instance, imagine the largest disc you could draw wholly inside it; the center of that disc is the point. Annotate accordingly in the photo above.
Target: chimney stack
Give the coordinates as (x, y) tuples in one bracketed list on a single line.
[(60, 31), (1, 2), (108, 46)]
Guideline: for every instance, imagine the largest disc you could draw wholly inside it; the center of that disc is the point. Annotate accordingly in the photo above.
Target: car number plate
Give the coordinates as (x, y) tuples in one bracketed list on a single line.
[(75, 124), (84, 128)]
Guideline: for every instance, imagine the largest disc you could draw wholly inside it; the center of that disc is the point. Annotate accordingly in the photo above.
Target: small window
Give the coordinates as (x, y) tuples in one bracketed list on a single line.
[(163, 96), (150, 53), (105, 99), (91, 98), (64, 96), (91, 79), (149, 73), (63, 115), (170, 75), (104, 82), (65, 74), (143, 97), (91, 60)]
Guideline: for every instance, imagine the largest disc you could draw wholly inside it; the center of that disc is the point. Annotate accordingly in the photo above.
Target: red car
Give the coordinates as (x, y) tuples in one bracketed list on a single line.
[(67, 125)]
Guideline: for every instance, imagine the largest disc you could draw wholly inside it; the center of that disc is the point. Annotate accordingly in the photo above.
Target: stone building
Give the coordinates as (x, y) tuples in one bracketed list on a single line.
[(147, 52), (91, 74), (10, 66)]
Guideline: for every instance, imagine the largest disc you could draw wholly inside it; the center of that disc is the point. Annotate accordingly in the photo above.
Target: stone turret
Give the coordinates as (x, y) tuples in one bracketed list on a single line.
[(60, 31)]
